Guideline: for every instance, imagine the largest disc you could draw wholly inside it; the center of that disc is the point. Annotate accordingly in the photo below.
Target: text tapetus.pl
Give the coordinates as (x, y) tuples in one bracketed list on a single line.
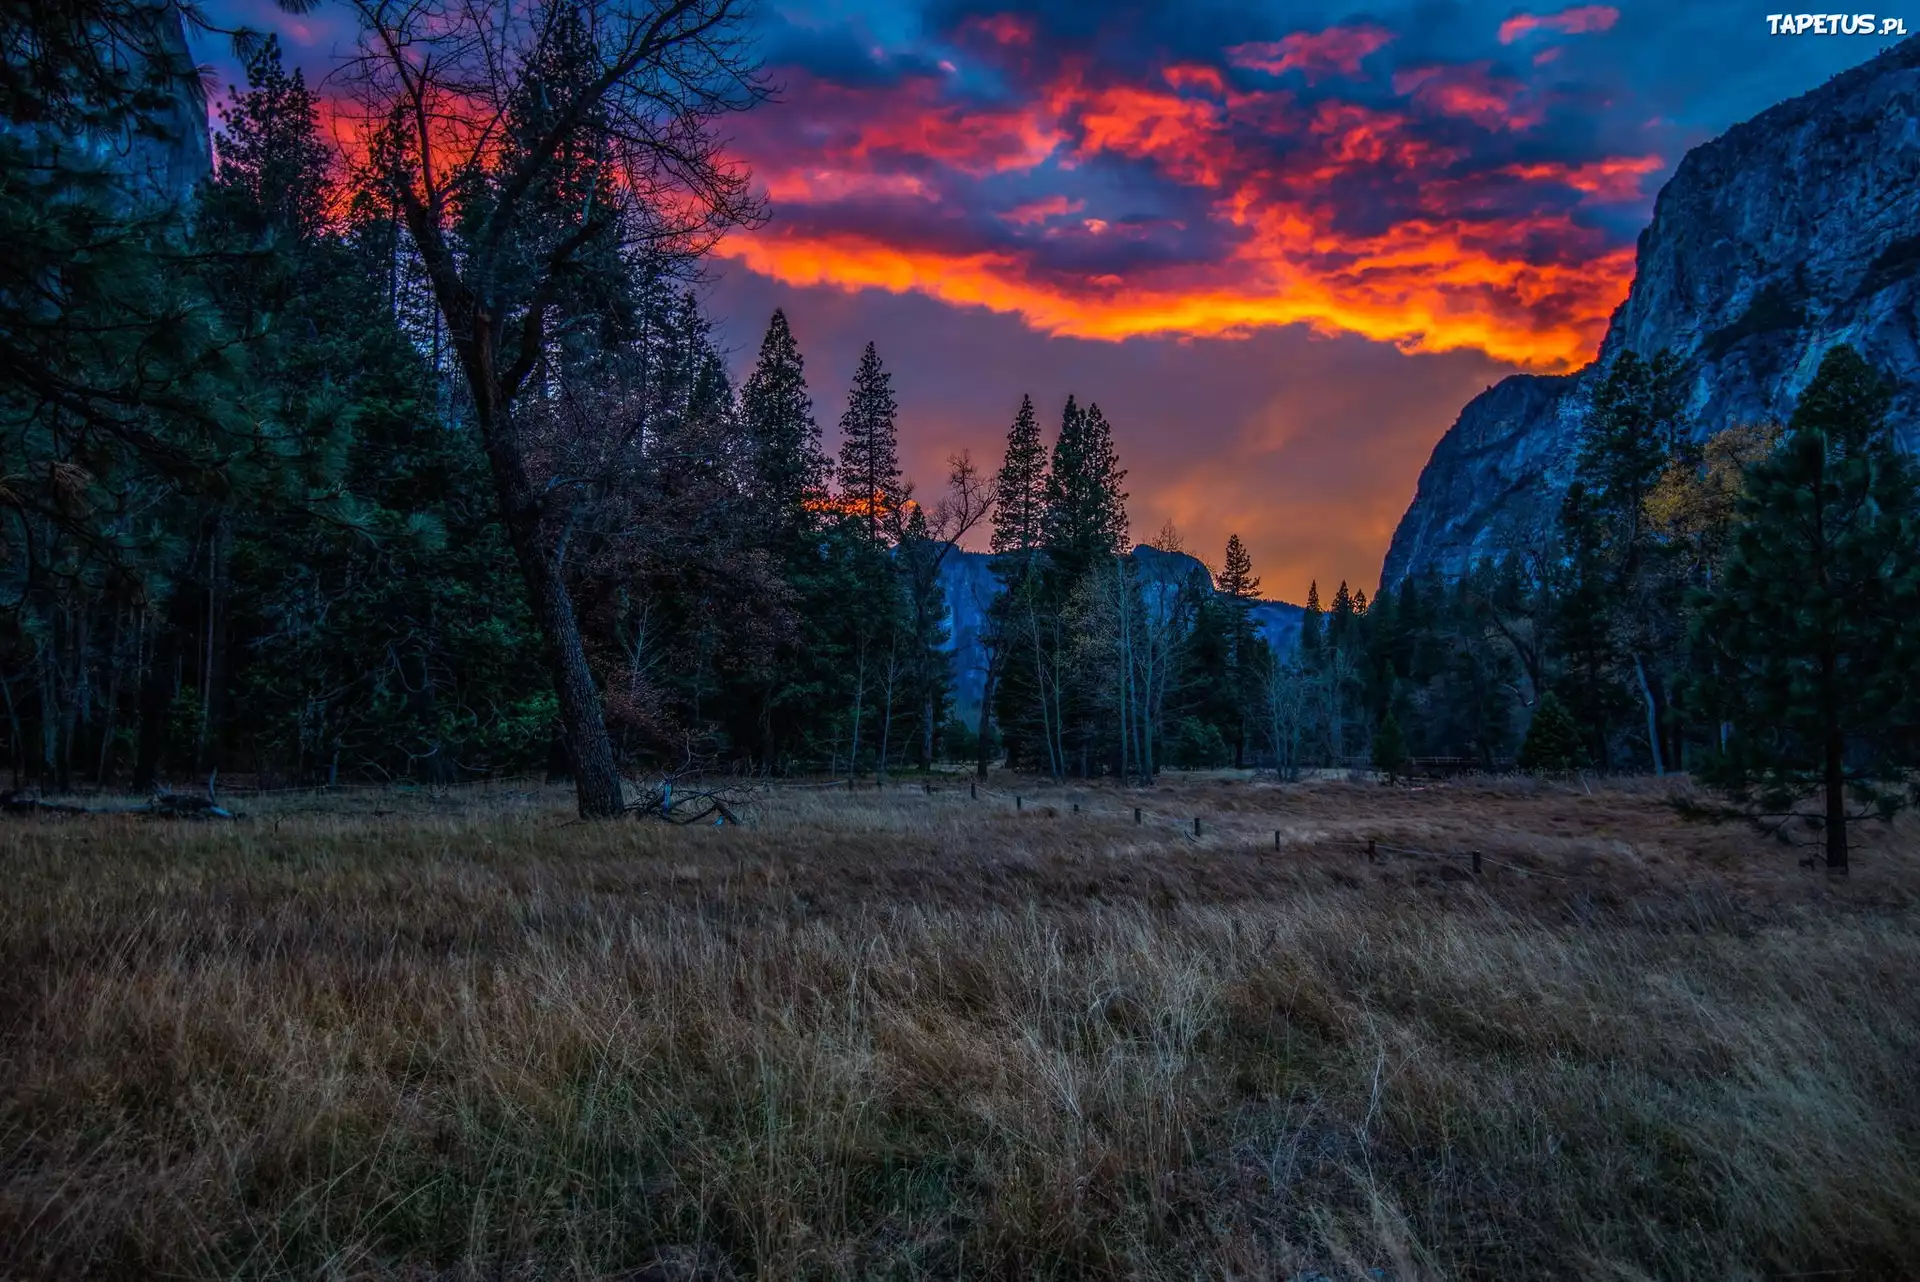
[(1835, 24)]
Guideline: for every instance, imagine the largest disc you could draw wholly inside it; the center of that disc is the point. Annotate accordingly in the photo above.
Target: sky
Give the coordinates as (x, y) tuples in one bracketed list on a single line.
[(1280, 244)]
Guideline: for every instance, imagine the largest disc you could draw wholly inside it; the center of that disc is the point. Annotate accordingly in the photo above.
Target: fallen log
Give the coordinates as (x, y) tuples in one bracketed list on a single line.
[(162, 805)]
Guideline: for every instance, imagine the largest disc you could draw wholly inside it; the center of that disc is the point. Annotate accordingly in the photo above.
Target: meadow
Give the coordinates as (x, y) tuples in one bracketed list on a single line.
[(905, 1033)]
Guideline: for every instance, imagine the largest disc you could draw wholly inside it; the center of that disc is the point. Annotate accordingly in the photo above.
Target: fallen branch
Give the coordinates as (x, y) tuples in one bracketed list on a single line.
[(692, 804), (162, 805)]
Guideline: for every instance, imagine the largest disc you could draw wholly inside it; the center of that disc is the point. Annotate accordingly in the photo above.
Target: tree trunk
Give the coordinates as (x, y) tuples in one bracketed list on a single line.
[(1836, 801), (596, 780), (986, 716), (926, 733), (1653, 717), (859, 699), (156, 699)]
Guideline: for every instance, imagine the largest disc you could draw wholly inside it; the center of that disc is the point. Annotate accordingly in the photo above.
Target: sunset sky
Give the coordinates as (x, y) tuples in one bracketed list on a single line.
[(1280, 244)]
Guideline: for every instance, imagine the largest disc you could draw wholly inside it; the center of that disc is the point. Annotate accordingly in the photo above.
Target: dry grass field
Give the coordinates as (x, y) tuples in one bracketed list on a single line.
[(900, 1035)]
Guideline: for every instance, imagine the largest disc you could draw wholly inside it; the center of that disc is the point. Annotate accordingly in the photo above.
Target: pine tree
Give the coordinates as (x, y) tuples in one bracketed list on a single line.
[(1616, 596), (1238, 584), (790, 472), (1340, 618), (1389, 747), (1312, 629), (1236, 577), (1020, 493), (869, 449), (1086, 509), (270, 153), (1812, 657), (1553, 740)]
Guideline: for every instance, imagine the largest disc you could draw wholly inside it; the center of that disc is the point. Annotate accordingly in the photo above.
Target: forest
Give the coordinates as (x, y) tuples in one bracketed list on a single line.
[(418, 460)]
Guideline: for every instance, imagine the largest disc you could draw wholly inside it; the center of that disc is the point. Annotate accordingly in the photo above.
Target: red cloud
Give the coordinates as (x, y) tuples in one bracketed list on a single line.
[(1005, 28), (840, 130), (1469, 91), (1609, 181), (1039, 211), (1343, 216), (1572, 22), (1189, 75), (1337, 50)]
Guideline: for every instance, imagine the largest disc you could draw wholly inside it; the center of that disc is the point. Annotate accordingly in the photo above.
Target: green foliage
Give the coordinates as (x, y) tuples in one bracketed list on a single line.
[(1389, 747), (1086, 518), (1809, 646), (777, 415), (870, 482), (1197, 745), (1020, 490), (1553, 740)]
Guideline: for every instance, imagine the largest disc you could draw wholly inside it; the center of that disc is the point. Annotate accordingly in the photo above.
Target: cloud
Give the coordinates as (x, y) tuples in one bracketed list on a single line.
[(1570, 22), (1335, 51), (1471, 91), (1441, 206)]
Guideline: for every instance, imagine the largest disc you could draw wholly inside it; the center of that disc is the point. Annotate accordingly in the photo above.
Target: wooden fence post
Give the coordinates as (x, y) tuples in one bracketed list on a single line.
[(1196, 825), (1476, 863), (1136, 816), (1373, 852)]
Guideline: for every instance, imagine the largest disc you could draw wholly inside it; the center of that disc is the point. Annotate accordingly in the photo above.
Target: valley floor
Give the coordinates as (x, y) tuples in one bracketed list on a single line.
[(920, 1034)]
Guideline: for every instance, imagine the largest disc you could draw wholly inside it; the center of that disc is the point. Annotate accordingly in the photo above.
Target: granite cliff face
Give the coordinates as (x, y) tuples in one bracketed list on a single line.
[(1788, 234), (970, 586), (163, 151)]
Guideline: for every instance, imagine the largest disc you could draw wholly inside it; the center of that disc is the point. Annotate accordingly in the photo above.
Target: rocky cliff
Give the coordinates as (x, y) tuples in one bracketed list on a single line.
[(970, 587), (1792, 232), (160, 151)]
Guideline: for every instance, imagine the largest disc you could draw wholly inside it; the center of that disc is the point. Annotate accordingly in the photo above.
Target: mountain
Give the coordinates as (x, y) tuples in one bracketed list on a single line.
[(163, 152), (968, 581), (1786, 235)]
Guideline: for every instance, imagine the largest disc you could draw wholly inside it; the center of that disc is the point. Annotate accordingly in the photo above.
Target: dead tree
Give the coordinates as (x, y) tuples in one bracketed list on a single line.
[(508, 174)]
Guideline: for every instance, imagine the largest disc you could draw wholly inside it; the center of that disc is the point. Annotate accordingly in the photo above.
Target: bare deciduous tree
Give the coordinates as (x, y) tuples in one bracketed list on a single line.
[(517, 138)]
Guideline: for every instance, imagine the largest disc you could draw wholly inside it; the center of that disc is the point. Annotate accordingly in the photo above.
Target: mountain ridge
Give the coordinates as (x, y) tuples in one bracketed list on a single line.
[(969, 586), (1789, 233)]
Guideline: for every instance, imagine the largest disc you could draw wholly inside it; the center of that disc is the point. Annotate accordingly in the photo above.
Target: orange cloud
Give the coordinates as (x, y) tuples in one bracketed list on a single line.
[(1608, 181), (1423, 289), (1572, 22)]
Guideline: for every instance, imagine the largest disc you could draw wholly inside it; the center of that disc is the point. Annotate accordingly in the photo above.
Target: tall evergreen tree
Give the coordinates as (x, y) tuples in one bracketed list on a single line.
[(1312, 626), (1616, 596), (790, 472), (1020, 491), (1810, 648), (1086, 508), (1245, 657), (869, 450), (271, 153)]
